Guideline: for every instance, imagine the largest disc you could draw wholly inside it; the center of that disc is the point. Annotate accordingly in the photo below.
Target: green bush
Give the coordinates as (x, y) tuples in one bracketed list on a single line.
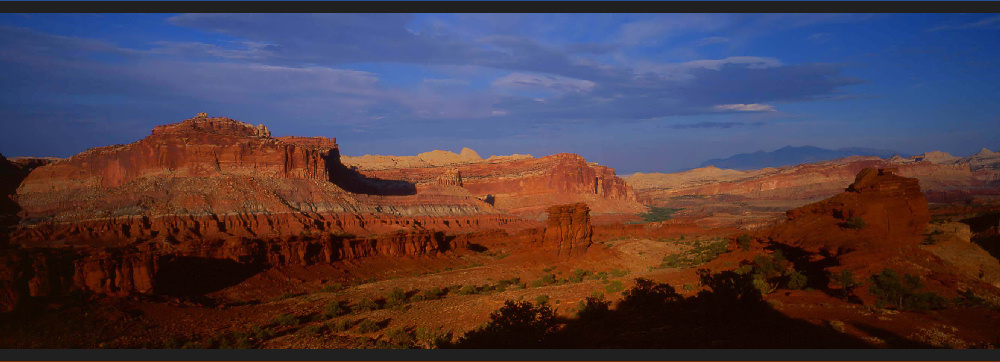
[(433, 293), (796, 280), (262, 333), (594, 308), (743, 241), (515, 325), (647, 295), (313, 329), (341, 325), (468, 290), (847, 283), (335, 309), (367, 326), (395, 298), (890, 289), (332, 288), (614, 286), (431, 338), (658, 214), (399, 337), (367, 305), (855, 222), (286, 319), (542, 299)]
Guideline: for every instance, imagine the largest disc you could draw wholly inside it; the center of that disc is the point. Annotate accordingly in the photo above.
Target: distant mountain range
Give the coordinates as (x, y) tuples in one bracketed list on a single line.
[(789, 155)]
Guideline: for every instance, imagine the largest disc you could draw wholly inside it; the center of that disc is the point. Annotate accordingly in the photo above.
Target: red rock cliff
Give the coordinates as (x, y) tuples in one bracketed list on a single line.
[(568, 230), (525, 186), (196, 147), (892, 207)]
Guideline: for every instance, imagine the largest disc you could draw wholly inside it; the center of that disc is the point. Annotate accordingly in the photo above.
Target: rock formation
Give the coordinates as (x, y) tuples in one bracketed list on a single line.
[(524, 186), (450, 178), (893, 210), (568, 229), (943, 181), (42, 273)]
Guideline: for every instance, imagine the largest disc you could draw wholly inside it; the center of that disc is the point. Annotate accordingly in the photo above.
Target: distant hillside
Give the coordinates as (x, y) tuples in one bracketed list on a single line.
[(789, 155)]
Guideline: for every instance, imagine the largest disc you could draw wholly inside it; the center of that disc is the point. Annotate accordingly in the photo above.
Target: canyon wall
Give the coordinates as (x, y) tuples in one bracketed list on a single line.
[(521, 185), (943, 182)]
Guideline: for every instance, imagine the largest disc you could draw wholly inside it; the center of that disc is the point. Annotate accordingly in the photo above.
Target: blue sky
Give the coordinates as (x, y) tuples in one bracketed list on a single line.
[(637, 92)]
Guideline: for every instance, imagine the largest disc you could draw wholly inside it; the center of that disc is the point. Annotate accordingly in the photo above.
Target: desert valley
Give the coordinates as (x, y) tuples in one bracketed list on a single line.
[(211, 233)]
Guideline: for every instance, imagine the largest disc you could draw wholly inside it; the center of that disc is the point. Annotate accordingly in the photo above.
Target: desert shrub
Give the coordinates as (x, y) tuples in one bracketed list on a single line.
[(614, 286), (687, 287), (889, 288), (400, 337), (931, 238), (515, 325), (433, 293), (468, 290), (647, 295), (313, 329), (658, 214), (619, 273), (743, 241), (341, 325), (367, 305), (796, 280), (968, 298), (261, 333), (730, 287), (542, 299), (286, 319), (368, 326), (332, 288), (594, 308), (855, 222), (335, 309), (430, 338), (548, 278), (395, 298), (847, 283)]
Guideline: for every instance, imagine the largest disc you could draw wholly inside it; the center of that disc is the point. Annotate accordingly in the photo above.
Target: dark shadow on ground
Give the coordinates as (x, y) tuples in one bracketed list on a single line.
[(194, 276), (984, 232), (731, 315)]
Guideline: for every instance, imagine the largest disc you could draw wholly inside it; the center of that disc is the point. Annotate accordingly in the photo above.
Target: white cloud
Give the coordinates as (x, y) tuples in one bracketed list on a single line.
[(526, 81), (739, 107)]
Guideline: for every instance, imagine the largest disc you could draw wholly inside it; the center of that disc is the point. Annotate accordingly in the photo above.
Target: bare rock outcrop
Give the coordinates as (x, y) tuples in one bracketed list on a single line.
[(450, 178), (40, 273), (528, 186), (893, 211), (568, 231)]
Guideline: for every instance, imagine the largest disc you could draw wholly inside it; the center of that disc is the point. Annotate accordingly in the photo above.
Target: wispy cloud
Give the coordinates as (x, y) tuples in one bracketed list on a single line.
[(991, 21), (754, 107)]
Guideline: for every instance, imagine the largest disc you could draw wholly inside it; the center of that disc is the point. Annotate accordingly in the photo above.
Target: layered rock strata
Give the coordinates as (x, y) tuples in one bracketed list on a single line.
[(523, 186), (568, 230), (942, 180)]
